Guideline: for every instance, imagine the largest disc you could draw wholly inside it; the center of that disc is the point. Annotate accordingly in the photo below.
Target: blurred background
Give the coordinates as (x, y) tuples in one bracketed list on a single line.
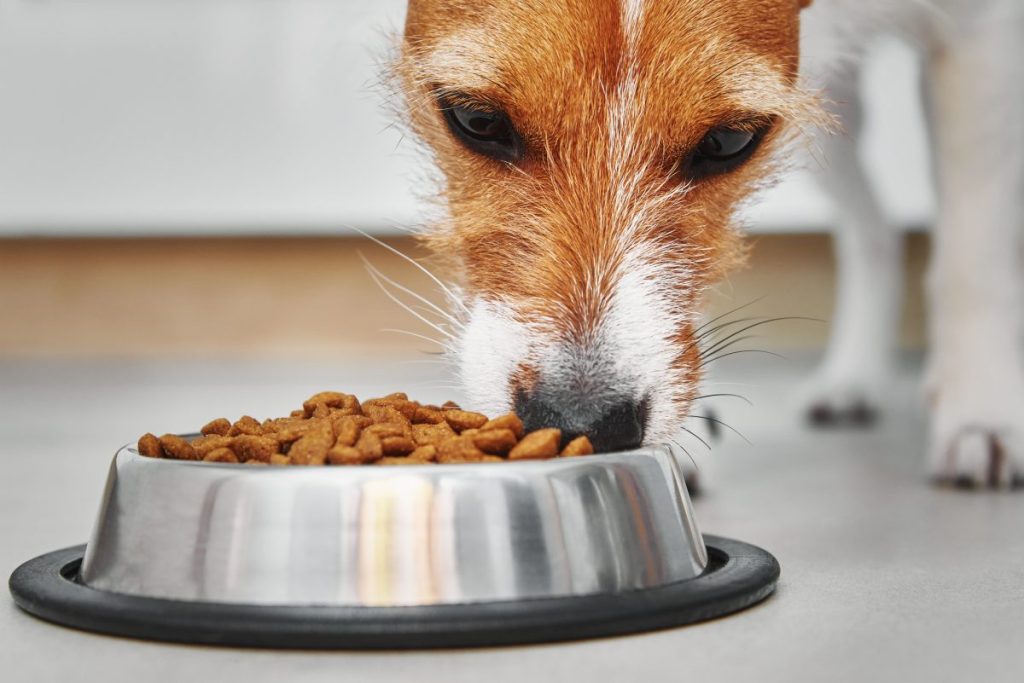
[(183, 184), (181, 180)]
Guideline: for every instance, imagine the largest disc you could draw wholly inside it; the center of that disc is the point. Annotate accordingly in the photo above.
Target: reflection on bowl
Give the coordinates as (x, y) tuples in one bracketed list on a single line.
[(411, 535)]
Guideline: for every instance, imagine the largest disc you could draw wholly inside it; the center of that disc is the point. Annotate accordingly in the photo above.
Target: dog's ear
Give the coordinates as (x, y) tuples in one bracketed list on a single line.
[(804, 4)]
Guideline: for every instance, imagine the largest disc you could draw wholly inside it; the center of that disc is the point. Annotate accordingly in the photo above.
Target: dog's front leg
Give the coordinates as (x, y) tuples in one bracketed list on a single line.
[(852, 378), (977, 373)]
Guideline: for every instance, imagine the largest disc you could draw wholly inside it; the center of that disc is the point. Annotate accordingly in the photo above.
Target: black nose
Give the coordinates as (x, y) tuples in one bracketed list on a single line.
[(617, 427)]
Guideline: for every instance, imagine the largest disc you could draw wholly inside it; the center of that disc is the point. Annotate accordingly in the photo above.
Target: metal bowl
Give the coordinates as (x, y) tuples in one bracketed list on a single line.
[(393, 536)]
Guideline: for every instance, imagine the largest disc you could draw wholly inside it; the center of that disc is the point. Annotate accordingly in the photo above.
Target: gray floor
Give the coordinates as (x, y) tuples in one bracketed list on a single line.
[(884, 578)]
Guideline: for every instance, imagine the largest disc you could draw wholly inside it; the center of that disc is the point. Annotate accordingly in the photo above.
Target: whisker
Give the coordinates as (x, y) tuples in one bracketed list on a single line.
[(373, 269), (727, 426), (729, 323), (415, 334), (415, 263), (425, 361), (411, 312), (742, 398), (441, 387), (728, 313), (717, 345), (729, 345), (694, 435), (688, 454), (700, 338), (734, 353)]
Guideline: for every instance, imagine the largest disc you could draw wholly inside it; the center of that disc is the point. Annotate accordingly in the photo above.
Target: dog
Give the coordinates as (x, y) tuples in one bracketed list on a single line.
[(593, 155)]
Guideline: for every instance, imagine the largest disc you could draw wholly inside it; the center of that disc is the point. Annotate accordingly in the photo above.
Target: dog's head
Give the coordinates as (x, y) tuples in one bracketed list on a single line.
[(593, 154)]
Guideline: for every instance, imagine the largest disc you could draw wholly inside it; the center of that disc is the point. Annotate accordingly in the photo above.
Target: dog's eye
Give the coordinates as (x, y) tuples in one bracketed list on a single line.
[(720, 151), (484, 131)]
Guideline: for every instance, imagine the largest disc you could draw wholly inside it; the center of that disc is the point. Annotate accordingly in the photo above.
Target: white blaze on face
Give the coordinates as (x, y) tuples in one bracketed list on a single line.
[(640, 331), (632, 15), (488, 352)]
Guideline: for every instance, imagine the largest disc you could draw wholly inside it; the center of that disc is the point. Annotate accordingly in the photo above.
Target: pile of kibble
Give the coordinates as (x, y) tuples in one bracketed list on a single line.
[(336, 429)]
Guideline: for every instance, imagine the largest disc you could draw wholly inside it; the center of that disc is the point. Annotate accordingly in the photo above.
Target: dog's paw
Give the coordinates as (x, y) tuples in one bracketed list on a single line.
[(828, 402), (977, 435)]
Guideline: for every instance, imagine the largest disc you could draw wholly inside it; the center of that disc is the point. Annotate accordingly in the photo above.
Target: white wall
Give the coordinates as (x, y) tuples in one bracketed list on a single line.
[(245, 116)]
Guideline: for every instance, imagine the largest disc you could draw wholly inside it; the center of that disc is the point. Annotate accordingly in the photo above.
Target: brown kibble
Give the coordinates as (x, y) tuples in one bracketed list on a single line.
[(312, 447), (346, 429), (320, 410), (579, 446), (204, 444), (221, 455), (382, 414), (221, 426), (346, 455), (246, 425), (397, 445), (494, 441), (424, 434), (361, 421), (289, 434), (335, 427), (279, 423), (369, 445), (176, 447), (427, 415), (542, 443), (250, 447), (426, 453), (506, 421), (390, 429), (391, 460), (461, 420), (150, 445), (321, 405), (404, 406), (458, 450)]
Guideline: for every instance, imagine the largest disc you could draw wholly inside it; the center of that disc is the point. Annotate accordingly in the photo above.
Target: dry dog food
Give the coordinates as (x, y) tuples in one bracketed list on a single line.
[(337, 429)]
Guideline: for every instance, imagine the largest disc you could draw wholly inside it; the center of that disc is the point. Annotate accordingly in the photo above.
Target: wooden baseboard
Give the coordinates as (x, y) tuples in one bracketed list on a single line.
[(312, 297)]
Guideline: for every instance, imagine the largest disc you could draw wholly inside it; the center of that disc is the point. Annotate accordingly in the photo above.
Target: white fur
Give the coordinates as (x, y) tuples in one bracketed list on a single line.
[(973, 71), (632, 16), (637, 333), (489, 349)]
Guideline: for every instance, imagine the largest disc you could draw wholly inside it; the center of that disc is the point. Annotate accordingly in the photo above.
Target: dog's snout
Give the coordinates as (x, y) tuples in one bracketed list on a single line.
[(615, 427)]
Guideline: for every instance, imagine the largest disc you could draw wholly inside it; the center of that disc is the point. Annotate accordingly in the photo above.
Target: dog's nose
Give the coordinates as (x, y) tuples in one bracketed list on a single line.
[(617, 427)]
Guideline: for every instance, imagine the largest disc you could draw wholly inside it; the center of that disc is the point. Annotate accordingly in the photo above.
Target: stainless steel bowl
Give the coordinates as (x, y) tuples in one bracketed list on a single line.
[(393, 536)]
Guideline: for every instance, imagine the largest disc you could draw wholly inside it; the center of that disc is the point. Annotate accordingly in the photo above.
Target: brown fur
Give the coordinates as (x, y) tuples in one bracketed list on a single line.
[(548, 231)]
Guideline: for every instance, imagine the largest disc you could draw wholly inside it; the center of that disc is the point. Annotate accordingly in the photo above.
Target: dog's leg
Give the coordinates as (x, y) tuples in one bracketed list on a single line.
[(975, 282), (857, 363)]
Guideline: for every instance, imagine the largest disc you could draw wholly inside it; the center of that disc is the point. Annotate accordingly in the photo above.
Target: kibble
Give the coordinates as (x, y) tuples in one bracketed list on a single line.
[(334, 428)]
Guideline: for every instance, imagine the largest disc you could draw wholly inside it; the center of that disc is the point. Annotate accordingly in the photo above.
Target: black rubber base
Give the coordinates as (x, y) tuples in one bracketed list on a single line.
[(738, 575)]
